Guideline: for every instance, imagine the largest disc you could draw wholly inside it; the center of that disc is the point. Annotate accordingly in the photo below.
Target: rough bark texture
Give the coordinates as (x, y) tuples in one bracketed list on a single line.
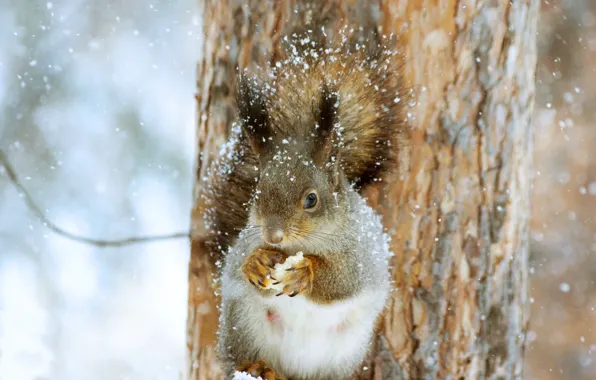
[(458, 216)]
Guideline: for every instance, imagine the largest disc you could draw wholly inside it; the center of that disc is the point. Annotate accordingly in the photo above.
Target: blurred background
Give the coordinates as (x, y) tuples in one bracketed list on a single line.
[(97, 116), (563, 228)]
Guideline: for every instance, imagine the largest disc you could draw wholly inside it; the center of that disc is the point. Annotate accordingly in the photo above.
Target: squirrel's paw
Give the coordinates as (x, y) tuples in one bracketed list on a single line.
[(258, 369), (258, 267), (298, 278)]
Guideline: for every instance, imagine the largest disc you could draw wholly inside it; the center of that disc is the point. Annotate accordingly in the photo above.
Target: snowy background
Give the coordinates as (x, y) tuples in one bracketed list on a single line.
[(563, 228), (97, 116)]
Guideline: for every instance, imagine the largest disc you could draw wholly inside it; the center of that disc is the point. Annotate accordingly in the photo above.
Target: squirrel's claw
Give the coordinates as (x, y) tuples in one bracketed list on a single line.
[(258, 267), (258, 369), (258, 270), (298, 279)]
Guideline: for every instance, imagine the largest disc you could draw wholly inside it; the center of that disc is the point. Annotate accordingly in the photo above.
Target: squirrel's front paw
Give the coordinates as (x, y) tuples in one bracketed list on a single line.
[(258, 369), (298, 278), (258, 267)]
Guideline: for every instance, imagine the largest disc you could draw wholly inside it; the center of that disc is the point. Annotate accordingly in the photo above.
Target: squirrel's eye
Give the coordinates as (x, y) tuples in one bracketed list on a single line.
[(310, 200)]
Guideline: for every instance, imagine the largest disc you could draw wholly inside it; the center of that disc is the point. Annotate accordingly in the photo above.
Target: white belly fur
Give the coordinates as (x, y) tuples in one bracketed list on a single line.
[(304, 340)]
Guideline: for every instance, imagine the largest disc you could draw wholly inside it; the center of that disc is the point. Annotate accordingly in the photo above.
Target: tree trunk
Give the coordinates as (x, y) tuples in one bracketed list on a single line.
[(458, 216)]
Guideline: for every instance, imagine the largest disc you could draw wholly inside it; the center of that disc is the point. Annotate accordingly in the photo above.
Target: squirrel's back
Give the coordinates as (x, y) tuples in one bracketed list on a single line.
[(370, 115)]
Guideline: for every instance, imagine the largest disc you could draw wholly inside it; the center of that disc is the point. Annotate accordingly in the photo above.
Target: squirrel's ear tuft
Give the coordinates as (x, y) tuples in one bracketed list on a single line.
[(252, 112), (326, 118)]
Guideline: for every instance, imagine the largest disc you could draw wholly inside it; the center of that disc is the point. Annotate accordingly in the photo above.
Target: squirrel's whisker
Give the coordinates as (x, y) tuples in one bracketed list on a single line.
[(323, 233), (303, 239), (295, 237), (252, 237), (252, 234), (325, 236), (252, 227)]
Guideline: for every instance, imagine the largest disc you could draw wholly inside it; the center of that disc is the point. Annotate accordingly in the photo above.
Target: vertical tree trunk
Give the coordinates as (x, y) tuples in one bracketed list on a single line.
[(458, 216)]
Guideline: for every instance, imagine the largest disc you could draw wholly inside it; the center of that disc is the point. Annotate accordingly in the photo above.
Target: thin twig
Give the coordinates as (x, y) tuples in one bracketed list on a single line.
[(14, 179)]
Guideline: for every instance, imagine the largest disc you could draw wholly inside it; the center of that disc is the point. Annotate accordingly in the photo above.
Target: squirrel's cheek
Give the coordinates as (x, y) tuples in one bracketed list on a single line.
[(306, 226)]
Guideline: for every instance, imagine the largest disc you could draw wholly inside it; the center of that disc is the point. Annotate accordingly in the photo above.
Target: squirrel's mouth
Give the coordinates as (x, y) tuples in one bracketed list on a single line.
[(290, 237), (287, 243)]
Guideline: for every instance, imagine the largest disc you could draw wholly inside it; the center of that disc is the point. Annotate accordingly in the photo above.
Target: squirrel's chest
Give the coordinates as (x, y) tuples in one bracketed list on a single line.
[(303, 337), (285, 315)]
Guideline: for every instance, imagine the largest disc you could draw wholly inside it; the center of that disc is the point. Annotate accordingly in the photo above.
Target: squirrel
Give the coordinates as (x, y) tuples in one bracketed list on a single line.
[(371, 117), (306, 278)]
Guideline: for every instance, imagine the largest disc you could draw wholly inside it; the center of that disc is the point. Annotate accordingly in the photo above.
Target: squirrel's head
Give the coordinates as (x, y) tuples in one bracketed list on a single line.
[(301, 188)]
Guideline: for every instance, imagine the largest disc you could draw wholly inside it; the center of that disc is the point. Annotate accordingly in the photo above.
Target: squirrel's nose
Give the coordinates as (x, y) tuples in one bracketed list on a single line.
[(274, 236)]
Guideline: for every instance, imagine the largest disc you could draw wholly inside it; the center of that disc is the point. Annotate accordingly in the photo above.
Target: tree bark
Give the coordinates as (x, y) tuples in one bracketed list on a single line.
[(458, 216)]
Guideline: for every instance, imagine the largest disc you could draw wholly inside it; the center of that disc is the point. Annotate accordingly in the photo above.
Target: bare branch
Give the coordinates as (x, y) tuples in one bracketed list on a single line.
[(12, 176)]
